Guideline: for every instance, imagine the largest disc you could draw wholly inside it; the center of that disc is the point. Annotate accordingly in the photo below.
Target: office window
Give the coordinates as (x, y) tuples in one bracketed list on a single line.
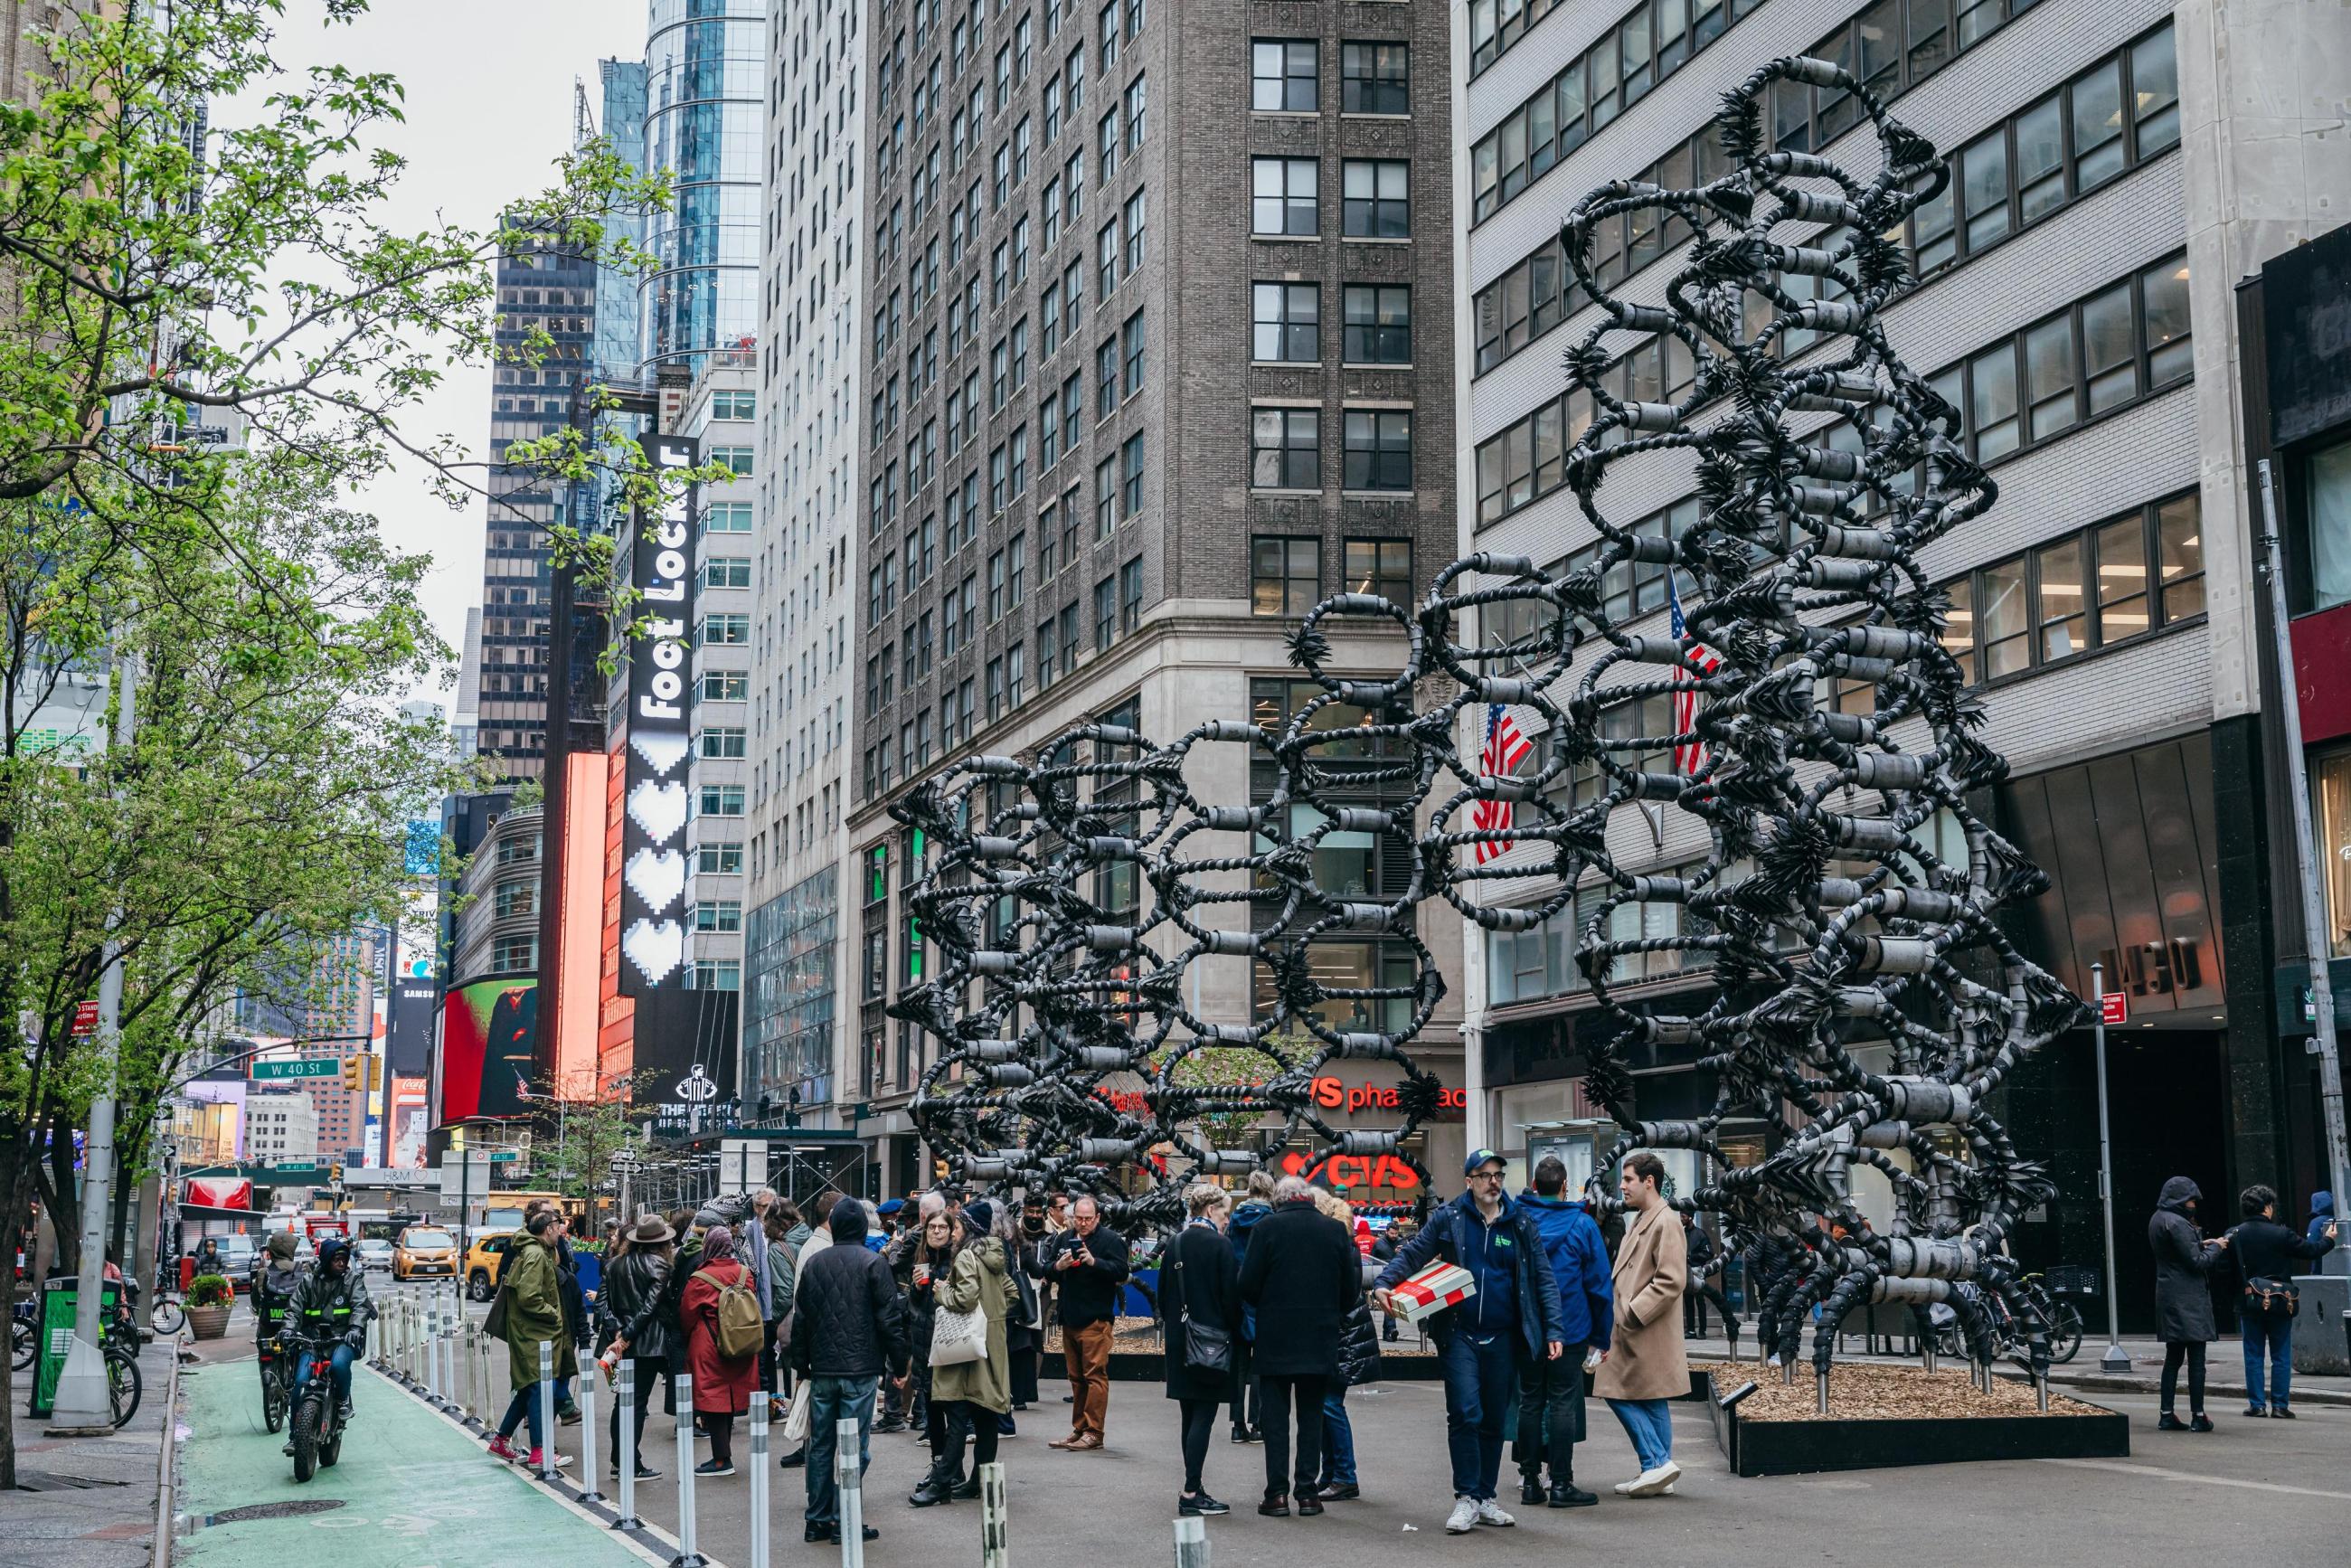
[(2163, 290), (722, 801), (1285, 449), (1379, 324), (727, 517), (1049, 431), (727, 630), (1015, 660), (1105, 613), (1378, 450), (736, 459), (1131, 337), (1106, 378), (1383, 566), (726, 571), (1375, 200), (1287, 322), (718, 975), (1049, 656), (1130, 595), (733, 405), (1106, 52), (1138, 99), (1375, 79), (2105, 584), (1049, 319), (1106, 143), (1020, 253), (1105, 500), (1283, 196), (1129, 490), (724, 686), (722, 743), (1285, 575), (1285, 76), (1131, 221), (1105, 261), (1072, 409), (1015, 570), (726, 914), (993, 685), (2327, 528)]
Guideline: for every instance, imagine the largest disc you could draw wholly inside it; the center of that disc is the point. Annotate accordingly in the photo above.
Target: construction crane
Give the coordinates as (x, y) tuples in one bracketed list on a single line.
[(583, 119)]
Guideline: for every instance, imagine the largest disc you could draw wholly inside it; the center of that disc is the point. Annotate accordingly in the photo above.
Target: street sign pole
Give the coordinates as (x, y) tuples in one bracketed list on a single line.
[(2114, 1360), (2313, 898)]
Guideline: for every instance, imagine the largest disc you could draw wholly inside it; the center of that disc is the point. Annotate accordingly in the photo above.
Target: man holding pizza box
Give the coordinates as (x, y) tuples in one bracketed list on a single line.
[(1480, 1275)]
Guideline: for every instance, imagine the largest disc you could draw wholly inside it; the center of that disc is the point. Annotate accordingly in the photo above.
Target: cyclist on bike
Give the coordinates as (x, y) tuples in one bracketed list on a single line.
[(330, 1304), (273, 1291)]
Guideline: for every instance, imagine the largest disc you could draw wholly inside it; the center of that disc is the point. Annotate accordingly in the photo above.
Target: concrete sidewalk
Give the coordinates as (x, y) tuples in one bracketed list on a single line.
[(2224, 1365), (411, 1488), (88, 1503)]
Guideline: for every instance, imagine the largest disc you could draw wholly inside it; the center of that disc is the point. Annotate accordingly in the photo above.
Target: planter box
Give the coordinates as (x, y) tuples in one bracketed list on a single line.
[(1829, 1442), (208, 1323)]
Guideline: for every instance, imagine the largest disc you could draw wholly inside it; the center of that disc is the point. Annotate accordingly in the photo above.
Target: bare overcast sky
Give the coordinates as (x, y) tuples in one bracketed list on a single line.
[(489, 109)]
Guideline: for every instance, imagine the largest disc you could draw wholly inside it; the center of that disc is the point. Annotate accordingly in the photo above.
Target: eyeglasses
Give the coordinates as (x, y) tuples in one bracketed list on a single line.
[(1484, 1176)]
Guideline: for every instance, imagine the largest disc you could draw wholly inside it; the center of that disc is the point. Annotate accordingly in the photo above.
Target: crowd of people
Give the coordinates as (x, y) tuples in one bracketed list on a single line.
[(934, 1317)]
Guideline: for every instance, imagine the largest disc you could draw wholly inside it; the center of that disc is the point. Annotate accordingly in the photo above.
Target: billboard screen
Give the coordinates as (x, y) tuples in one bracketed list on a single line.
[(684, 1060), (409, 1123), (654, 935), (408, 1029), (488, 1032)]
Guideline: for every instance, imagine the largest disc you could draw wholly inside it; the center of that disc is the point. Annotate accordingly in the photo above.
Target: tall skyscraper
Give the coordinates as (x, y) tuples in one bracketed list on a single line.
[(706, 76), (796, 947), (1158, 353), (540, 288)]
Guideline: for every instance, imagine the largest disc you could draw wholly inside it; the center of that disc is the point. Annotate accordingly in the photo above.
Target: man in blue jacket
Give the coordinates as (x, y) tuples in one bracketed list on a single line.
[(1550, 1393), (1514, 1313)]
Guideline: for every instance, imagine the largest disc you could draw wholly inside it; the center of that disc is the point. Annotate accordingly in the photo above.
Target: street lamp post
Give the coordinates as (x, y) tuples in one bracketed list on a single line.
[(2116, 1359)]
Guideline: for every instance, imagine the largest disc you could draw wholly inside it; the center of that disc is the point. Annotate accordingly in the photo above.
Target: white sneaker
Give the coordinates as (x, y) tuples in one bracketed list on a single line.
[(1625, 1488), (1463, 1517), (1651, 1483), (1490, 1512)]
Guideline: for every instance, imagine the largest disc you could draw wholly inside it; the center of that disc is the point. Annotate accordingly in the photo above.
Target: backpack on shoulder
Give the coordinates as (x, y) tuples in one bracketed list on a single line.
[(739, 1330)]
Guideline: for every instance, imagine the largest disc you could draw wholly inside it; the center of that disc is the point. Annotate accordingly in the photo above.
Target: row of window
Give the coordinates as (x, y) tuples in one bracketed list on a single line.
[(1286, 77), (1374, 198), (1286, 572), (2061, 148), (1286, 323), (2126, 342), (1286, 449)]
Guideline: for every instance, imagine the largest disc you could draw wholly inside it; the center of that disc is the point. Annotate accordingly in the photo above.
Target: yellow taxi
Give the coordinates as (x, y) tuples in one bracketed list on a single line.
[(484, 1259), (425, 1251)]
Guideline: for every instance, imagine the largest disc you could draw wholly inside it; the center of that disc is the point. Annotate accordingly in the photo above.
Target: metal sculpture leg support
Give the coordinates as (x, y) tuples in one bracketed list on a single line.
[(1803, 739)]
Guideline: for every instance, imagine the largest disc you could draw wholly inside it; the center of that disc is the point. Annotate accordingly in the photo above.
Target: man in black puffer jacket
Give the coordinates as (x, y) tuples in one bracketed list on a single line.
[(849, 1332)]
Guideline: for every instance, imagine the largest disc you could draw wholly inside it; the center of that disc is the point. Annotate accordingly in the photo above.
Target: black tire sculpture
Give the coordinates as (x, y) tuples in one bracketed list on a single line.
[(1824, 465)]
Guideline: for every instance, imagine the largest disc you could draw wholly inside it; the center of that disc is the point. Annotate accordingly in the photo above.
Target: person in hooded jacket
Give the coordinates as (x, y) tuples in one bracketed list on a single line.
[(634, 1285), (2266, 1253), (2184, 1262), (273, 1292), (1248, 1392), (2322, 1215), (849, 1332), (724, 1385), (330, 1303), (1550, 1393)]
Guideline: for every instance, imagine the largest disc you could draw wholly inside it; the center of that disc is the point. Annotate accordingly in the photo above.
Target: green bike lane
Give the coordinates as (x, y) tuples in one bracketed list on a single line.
[(412, 1490)]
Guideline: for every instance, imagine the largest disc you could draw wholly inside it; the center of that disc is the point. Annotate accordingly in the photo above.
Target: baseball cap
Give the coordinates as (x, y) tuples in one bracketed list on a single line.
[(1481, 1157)]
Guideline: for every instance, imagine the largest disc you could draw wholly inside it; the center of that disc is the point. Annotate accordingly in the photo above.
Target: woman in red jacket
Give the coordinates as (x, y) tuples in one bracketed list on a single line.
[(723, 1386)]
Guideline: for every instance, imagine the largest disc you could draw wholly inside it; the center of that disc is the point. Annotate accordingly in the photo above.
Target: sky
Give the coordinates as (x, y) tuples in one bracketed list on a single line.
[(489, 109)]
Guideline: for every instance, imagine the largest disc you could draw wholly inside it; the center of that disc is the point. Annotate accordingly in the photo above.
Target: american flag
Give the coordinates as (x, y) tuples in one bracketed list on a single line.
[(1690, 757), (1505, 749)]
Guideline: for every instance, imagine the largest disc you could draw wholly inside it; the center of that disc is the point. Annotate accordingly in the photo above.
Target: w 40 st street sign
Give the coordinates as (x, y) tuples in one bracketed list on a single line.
[(310, 1067)]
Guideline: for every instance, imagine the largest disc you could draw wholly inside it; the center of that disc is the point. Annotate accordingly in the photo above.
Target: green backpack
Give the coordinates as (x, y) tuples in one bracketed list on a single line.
[(740, 1331)]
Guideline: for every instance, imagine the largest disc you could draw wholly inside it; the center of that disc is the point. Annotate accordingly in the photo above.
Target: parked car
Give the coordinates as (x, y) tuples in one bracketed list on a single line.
[(239, 1256), (374, 1253), (425, 1251)]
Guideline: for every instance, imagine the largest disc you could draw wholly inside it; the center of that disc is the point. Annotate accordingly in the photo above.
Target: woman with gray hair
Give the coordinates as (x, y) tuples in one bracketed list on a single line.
[(1199, 1315)]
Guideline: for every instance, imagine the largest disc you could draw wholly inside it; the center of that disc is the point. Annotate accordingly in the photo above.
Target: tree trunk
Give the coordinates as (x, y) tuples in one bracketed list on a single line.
[(15, 1196)]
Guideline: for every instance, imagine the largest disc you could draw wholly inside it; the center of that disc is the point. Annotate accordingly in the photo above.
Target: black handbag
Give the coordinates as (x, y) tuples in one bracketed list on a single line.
[(1207, 1348), (2265, 1296)]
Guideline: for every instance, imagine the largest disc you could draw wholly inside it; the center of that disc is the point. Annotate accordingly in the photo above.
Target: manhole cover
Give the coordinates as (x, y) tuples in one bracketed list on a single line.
[(273, 1511)]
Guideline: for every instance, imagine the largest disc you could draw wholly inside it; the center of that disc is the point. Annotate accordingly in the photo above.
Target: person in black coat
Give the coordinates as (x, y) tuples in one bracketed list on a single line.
[(630, 1303), (849, 1332), (2183, 1298), (1199, 1282), (1302, 1275), (2266, 1253)]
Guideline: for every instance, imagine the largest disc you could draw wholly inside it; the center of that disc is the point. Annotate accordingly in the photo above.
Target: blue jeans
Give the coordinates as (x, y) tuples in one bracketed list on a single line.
[(1338, 1439), (1650, 1423), (2272, 1332), (1480, 1381), (832, 1400), (341, 1374)]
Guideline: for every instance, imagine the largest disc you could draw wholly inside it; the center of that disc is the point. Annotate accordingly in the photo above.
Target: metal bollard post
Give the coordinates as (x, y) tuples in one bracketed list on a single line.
[(759, 1479), (995, 1530), (452, 1322), (588, 1492), (687, 1557), (849, 1474), (2041, 1388), (1821, 1390), (626, 1387), (1192, 1542), (546, 1466), (432, 1347)]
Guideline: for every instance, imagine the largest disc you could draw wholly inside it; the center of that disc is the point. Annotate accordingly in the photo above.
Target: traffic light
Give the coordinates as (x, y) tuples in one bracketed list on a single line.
[(355, 1073), (335, 1175)]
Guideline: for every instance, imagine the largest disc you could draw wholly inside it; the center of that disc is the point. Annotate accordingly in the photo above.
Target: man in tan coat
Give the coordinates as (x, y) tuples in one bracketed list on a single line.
[(1645, 1368)]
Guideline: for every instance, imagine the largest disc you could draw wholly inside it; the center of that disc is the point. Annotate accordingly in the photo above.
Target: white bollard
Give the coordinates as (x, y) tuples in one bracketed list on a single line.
[(625, 1387), (759, 1479), (432, 1348), (1192, 1542), (848, 1474), (588, 1492), (453, 1318), (995, 1534), (546, 1466), (687, 1557)]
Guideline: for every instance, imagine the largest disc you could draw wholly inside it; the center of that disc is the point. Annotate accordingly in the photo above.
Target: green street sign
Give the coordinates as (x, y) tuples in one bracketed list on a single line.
[(296, 1166), (503, 1156), (310, 1067)]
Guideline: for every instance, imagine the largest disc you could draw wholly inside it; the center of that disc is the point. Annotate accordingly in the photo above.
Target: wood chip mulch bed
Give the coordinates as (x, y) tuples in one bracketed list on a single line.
[(1877, 1393)]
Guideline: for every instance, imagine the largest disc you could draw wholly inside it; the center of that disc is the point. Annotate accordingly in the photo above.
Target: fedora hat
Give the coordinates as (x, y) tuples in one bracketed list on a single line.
[(651, 1231)]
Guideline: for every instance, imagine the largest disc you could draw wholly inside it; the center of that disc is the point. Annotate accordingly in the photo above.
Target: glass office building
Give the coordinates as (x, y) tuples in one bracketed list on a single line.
[(704, 115)]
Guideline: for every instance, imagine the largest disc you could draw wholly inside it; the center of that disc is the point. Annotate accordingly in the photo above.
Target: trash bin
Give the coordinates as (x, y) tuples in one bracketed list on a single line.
[(58, 1298)]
